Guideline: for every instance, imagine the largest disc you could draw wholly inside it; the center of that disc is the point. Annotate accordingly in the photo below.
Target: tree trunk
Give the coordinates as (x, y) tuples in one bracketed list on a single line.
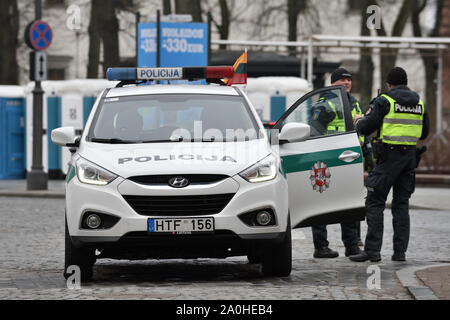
[(389, 56), (167, 8), (110, 36), (428, 58), (365, 64), (9, 20), (430, 65), (294, 8), (192, 7), (103, 29), (224, 27), (94, 40)]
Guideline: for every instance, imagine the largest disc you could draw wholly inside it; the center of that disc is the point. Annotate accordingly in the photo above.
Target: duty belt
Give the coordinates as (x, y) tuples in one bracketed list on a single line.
[(398, 147)]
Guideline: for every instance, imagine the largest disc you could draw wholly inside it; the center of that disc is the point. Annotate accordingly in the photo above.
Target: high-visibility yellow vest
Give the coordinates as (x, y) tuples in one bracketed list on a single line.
[(357, 110), (403, 124), (338, 123)]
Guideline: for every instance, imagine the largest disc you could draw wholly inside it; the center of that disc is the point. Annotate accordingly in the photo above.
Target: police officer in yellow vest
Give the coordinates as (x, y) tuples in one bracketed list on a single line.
[(332, 121), (401, 120)]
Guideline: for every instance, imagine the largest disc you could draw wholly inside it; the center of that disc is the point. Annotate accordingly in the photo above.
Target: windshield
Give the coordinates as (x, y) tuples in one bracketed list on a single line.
[(173, 118)]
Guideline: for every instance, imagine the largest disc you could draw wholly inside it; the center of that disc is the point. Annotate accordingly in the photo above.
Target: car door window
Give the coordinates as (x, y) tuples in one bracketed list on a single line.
[(325, 173), (323, 111)]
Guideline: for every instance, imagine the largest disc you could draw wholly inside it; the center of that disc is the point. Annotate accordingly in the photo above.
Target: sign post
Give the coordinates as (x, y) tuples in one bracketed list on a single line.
[(38, 36)]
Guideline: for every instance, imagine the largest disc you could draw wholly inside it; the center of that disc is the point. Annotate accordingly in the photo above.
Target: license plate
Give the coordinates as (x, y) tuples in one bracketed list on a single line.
[(181, 225)]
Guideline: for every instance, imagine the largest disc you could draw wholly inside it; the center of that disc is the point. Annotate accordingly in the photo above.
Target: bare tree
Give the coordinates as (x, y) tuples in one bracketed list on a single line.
[(225, 21), (268, 17), (428, 56), (224, 27), (167, 7), (192, 7), (104, 29), (389, 56), (227, 13), (294, 8), (9, 20), (365, 63)]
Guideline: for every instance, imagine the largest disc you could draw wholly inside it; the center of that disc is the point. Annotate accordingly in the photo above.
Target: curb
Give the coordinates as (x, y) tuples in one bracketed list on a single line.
[(32, 194), (410, 282)]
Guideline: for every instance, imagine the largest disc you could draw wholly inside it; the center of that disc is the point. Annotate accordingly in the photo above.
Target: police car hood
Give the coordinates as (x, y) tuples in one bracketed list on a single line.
[(129, 160)]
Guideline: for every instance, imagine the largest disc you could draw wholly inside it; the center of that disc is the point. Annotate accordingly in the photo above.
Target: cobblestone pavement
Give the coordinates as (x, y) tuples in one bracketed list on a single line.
[(32, 256)]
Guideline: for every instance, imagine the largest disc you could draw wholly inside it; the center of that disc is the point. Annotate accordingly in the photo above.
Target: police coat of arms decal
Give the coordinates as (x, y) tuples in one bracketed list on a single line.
[(320, 176)]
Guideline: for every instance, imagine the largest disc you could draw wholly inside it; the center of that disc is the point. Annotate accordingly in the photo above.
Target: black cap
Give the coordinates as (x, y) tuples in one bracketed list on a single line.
[(397, 76), (339, 74)]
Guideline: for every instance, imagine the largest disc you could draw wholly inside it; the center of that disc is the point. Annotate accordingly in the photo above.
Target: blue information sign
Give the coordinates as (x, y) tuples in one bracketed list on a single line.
[(182, 44)]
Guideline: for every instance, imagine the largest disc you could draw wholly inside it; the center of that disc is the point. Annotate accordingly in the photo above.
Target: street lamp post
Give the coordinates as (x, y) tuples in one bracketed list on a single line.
[(37, 178)]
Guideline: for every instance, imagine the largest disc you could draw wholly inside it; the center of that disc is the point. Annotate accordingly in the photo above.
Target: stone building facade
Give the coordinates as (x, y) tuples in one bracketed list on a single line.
[(252, 20)]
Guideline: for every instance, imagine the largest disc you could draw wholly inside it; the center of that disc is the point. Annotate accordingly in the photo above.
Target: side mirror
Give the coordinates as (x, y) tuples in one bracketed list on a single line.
[(294, 132), (65, 137)]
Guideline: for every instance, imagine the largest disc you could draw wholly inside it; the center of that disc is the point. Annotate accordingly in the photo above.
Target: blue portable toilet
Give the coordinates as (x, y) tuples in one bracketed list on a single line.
[(88, 103), (66, 103), (12, 132)]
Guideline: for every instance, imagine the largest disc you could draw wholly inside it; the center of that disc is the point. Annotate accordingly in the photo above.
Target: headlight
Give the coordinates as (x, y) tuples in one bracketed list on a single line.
[(90, 173), (263, 170)]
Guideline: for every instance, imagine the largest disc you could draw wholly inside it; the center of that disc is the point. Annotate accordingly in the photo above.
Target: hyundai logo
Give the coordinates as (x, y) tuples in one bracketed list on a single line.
[(178, 182)]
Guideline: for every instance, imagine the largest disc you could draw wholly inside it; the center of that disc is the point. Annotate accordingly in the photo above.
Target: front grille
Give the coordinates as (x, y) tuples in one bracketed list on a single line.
[(164, 179), (179, 205)]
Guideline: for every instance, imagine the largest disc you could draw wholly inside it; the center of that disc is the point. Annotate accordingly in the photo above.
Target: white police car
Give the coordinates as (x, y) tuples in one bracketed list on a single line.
[(182, 171)]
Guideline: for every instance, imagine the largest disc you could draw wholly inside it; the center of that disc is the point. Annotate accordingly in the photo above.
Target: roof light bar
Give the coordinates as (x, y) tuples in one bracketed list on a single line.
[(188, 73)]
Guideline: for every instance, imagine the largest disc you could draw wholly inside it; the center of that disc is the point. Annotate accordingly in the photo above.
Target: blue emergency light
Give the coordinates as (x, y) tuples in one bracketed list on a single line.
[(118, 74), (186, 73)]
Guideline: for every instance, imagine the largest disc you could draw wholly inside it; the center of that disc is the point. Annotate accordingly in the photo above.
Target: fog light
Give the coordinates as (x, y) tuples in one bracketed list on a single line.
[(93, 221), (263, 218)]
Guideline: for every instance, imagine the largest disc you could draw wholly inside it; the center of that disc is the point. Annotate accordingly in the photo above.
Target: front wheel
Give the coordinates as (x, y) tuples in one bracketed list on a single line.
[(277, 259), (84, 258)]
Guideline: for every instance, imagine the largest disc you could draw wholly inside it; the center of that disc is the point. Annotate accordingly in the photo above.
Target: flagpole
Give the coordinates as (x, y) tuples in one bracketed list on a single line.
[(244, 87)]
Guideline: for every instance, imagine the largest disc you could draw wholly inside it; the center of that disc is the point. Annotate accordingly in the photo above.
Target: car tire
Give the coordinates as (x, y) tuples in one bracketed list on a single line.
[(277, 259), (84, 258)]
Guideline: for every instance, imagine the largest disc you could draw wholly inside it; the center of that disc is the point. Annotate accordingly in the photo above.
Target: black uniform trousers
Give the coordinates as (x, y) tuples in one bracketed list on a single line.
[(349, 232), (397, 171)]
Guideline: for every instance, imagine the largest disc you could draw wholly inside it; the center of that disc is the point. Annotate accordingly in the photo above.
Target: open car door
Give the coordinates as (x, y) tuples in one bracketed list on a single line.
[(325, 171)]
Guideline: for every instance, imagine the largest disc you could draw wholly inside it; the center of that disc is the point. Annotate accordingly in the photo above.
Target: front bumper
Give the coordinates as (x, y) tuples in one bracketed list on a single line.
[(131, 230), (142, 245)]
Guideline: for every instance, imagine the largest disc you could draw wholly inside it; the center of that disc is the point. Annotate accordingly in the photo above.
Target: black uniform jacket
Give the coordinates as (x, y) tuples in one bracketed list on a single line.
[(373, 120)]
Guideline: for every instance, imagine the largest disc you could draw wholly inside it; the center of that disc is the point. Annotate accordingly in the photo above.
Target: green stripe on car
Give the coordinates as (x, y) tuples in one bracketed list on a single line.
[(305, 161)]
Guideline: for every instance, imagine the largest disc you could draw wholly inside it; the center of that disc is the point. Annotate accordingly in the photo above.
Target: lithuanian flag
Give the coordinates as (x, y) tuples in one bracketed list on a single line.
[(240, 71)]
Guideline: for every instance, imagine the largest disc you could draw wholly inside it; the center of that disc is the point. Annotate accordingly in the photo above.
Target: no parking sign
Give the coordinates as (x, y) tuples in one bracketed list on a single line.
[(38, 35)]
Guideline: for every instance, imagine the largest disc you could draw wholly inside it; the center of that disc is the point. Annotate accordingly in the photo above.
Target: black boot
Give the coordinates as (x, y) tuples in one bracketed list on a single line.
[(352, 251), (399, 256), (325, 252), (373, 256)]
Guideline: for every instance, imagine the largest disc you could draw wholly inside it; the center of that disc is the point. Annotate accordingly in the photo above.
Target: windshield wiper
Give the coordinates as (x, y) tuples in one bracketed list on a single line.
[(112, 141), (171, 139), (159, 141)]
